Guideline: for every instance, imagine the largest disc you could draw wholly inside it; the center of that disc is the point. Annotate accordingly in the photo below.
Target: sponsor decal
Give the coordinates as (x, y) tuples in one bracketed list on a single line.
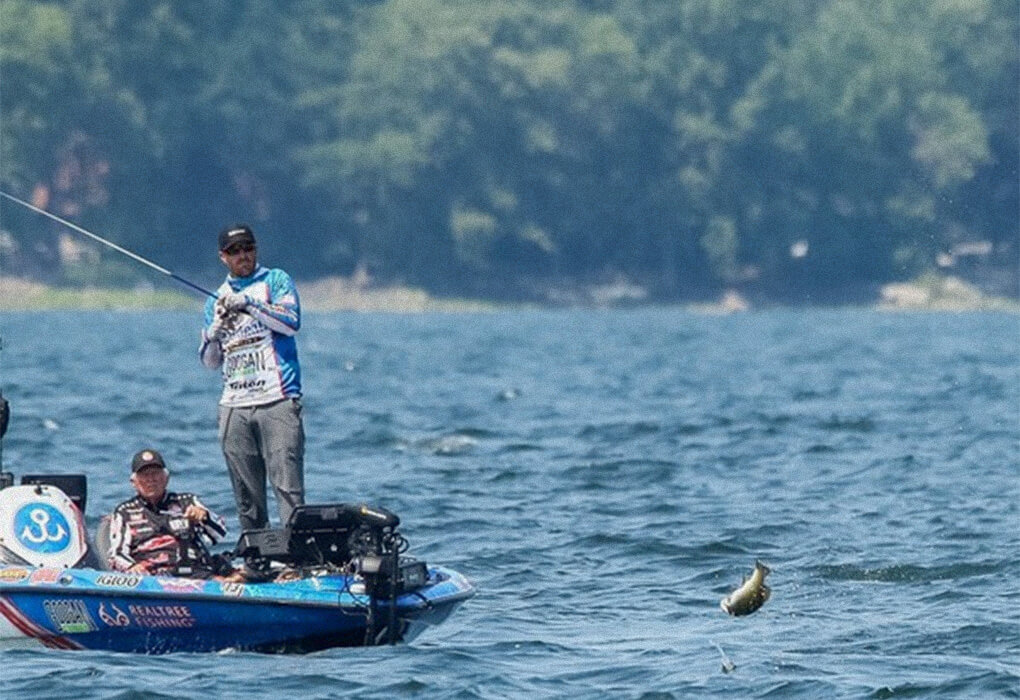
[(250, 333), (114, 617), (250, 384), (232, 588), (180, 585), (179, 525), (69, 616), (119, 580), (162, 616), (45, 576), (42, 528), (245, 363), (13, 575)]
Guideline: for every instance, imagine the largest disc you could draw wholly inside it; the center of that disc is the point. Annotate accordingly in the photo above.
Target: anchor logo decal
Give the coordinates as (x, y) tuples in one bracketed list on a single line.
[(42, 528)]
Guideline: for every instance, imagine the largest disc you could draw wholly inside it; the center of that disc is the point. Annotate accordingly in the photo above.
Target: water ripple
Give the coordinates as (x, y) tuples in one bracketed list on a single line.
[(604, 479)]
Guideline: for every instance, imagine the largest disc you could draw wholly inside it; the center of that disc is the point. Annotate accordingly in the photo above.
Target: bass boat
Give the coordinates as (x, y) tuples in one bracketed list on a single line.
[(336, 575)]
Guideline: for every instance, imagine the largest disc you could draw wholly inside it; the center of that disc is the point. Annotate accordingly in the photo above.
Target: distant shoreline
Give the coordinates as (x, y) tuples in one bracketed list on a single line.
[(332, 294), (342, 294)]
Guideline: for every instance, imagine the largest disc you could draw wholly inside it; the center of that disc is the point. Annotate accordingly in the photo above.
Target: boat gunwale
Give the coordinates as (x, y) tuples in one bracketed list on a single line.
[(354, 602)]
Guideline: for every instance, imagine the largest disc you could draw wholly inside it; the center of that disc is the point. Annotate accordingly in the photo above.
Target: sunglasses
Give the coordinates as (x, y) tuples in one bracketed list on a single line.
[(240, 248)]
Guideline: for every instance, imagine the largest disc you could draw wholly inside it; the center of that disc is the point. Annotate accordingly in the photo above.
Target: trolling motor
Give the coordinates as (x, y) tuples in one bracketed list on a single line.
[(352, 538), (320, 536)]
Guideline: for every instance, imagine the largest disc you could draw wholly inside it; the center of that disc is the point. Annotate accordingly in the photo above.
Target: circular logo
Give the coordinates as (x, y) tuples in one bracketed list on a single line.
[(42, 528)]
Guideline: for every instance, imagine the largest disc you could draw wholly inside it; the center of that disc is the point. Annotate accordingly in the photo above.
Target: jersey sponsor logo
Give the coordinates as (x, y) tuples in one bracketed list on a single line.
[(247, 384), (70, 616), (157, 543), (245, 363), (248, 335), (179, 525)]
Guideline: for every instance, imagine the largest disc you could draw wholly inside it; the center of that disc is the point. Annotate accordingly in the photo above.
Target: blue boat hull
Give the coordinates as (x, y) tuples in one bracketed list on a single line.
[(91, 609)]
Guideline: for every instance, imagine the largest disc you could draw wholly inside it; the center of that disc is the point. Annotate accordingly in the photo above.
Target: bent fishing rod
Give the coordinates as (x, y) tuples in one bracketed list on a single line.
[(125, 251)]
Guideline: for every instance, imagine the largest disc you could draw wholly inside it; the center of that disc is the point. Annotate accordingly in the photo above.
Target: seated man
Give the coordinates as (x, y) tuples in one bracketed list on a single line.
[(158, 531)]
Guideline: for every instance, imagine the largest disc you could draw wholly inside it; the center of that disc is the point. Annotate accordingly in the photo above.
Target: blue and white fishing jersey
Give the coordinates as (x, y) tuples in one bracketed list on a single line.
[(259, 352)]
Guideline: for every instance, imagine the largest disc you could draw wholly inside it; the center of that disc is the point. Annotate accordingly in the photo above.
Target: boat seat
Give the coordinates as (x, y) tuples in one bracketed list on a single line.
[(101, 545)]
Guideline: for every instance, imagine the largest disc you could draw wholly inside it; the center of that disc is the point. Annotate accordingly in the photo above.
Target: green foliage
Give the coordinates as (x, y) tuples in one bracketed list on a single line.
[(474, 146), (951, 140), (35, 52), (868, 139)]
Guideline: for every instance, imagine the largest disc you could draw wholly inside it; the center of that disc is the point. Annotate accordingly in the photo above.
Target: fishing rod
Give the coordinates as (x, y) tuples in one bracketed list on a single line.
[(125, 251)]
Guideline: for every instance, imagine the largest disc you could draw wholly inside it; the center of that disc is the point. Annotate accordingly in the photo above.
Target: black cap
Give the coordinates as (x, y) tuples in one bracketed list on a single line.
[(238, 233), (147, 458)]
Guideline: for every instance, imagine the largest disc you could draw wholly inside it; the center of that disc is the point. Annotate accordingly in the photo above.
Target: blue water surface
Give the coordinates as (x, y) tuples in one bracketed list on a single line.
[(604, 478)]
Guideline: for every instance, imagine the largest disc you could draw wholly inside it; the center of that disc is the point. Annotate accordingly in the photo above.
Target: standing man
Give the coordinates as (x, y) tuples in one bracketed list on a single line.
[(249, 332)]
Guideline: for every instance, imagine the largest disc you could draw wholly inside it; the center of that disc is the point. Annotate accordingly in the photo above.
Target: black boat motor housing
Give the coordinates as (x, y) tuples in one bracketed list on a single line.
[(356, 538)]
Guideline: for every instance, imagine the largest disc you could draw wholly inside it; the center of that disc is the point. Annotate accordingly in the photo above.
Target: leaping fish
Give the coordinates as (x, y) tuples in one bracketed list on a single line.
[(751, 595)]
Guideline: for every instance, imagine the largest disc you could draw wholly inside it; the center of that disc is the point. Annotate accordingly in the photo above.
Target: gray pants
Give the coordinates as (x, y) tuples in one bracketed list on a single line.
[(264, 440)]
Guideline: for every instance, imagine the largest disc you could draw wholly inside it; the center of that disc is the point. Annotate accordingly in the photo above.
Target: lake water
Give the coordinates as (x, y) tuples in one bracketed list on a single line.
[(604, 478)]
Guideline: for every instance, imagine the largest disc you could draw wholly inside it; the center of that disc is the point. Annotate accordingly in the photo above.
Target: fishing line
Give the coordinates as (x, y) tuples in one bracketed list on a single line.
[(124, 251)]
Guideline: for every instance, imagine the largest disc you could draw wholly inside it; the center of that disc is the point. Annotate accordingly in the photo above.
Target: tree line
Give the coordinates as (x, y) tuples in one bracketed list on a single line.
[(506, 148)]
